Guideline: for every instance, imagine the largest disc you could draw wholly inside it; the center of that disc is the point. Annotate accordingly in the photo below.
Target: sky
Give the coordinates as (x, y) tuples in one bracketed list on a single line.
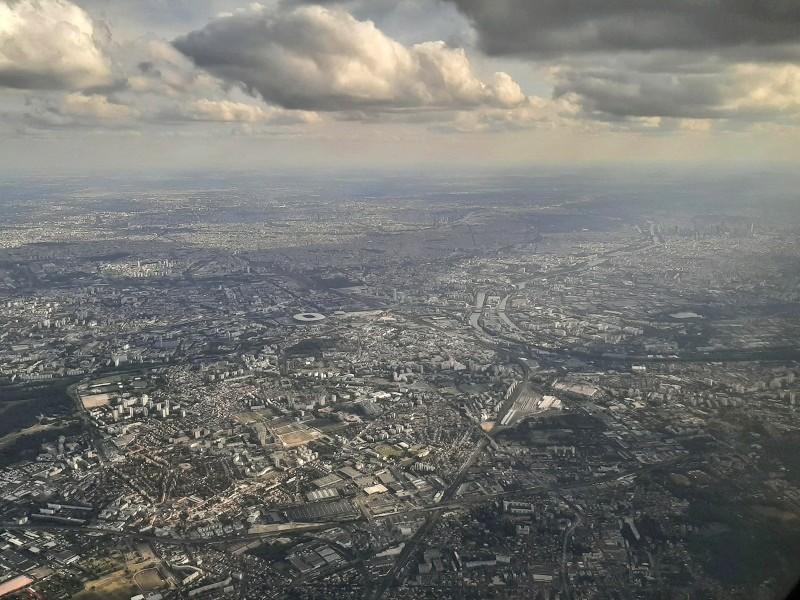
[(217, 84)]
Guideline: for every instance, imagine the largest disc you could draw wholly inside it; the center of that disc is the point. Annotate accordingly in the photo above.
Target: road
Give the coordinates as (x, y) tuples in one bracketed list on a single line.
[(297, 529), (564, 562)]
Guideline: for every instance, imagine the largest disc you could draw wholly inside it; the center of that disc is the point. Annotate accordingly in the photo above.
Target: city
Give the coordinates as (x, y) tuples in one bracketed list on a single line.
[(308, 389)]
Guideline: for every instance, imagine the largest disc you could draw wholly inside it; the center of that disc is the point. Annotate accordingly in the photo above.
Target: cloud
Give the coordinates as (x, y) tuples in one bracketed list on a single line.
[(624, 93), (409, 21), (171, 89), (156, 67), (547, 27), (732, 60), (758, 89), (78, 110), (746, 92), (226, 111), (315, 58), (49, 44), (534, 112), (93, 112), (95, 106), (696, 125)]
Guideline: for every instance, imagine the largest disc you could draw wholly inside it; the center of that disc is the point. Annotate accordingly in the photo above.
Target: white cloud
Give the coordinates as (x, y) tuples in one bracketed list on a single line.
[(759, 88), (78, 110), (647, 122), (695, 125), (534, 112), (506, 91), (315, 58), (95, 106), (227, 111), (49, 44)]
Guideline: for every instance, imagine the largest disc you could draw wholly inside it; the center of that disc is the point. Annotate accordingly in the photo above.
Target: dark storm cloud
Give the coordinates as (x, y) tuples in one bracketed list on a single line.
[(701, 59), (559, 27)]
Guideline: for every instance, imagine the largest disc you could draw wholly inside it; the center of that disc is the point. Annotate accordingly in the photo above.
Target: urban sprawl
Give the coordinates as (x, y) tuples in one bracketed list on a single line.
[(401, 397)]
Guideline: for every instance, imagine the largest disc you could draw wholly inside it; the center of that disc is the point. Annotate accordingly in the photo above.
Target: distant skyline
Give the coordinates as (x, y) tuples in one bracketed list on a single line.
[(214, 84)]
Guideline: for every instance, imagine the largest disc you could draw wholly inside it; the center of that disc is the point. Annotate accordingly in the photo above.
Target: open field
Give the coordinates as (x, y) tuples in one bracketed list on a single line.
[(771, 512), (291, 434), (122, 584), (115, 586), (27, 442), (297, 437), (248, 416), (9, 439), (387, 450), (20, 405)]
